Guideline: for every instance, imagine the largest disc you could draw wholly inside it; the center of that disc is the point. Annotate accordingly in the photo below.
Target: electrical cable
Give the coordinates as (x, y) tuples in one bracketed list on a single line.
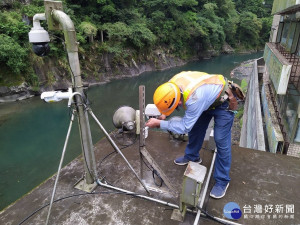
[(111, 192), (210, 216), (114, 134), (154, 172), (66, 197), (75, 195), (114, 151)]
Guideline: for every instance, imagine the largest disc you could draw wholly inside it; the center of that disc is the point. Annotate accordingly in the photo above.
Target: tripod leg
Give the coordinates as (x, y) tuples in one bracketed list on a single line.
[(59, 167), (117, 148)]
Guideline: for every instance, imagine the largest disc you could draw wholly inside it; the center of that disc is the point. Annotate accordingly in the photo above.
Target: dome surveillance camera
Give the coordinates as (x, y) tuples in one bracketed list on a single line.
[(40, 41)]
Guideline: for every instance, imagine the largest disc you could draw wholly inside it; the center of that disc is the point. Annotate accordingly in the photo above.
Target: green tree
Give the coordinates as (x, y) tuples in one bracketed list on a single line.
[(265, 30), (255, 6), (249, 29), (117, 32), (11, 24), (89, 30), (140, 36), (12, 54), (226, 10), (212, 25)]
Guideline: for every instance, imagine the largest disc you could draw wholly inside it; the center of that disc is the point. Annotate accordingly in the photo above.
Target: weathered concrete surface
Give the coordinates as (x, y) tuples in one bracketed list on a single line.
[(258, 178), (252, 133)]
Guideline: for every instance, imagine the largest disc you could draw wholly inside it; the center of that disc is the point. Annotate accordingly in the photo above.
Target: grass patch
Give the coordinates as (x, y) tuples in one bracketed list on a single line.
[(9, 79), (244, 85)]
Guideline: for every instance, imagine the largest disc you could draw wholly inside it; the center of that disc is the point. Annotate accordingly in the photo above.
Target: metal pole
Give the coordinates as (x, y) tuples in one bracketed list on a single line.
[(205, 187), (84, 126), (59, 167), (137, 195), (142, 124), (155, 200), (116, 148)]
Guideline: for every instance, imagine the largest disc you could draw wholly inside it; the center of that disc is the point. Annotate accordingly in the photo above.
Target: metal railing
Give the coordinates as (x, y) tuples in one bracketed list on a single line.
[(295, 70), (293, 89)]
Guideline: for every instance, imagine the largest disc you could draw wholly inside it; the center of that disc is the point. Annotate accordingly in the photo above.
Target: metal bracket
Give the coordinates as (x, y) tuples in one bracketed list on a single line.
[(155, 166), (143, 151), (49, 7), (83, 186)]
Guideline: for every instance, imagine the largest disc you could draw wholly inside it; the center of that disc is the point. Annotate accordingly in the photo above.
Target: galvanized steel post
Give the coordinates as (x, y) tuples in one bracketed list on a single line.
[(59, 20)]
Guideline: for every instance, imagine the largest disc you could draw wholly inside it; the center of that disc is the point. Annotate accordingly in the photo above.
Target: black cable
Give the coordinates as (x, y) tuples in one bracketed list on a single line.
[(210, 216), (154, 172), (66, 197), (114, 134), (115, 151), (110, 192), (146, 163)]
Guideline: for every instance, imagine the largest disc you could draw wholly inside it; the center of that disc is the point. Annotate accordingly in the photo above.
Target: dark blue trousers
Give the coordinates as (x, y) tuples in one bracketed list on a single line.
[(223, 121)]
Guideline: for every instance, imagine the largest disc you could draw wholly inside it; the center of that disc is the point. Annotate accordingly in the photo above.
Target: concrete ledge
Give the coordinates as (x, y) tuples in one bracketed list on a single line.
[(257, 178)]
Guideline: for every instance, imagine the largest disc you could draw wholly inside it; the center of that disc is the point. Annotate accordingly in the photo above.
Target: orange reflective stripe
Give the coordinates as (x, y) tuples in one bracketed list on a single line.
[(189, 81)]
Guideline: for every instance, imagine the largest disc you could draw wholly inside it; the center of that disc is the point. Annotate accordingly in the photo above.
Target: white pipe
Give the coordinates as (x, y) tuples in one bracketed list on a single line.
[(137, 195), (206, 186), (71, 98), (156, 200), (204, 194), (36, 19)]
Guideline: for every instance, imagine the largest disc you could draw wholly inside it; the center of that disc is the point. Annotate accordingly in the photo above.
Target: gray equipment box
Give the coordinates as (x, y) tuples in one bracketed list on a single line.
[(193, 179)]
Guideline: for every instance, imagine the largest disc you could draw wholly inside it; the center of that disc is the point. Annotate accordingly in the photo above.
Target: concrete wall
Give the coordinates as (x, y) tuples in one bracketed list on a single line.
[(274, 28), (273, 132), (252, 134), (279, 5)]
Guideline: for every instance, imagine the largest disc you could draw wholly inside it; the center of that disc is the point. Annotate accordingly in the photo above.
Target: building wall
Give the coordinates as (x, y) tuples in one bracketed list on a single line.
[(280, 5), (282, 57)]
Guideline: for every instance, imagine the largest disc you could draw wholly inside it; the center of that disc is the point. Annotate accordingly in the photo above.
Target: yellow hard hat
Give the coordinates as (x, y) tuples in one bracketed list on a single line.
[(166, 98)]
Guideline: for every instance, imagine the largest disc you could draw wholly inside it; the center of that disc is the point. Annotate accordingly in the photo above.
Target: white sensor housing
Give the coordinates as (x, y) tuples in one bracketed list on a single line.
[(151, 111)]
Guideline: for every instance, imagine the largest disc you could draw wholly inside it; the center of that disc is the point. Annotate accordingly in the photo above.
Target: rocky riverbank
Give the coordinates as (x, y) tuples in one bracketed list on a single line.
[(95, 70), (54, 74)]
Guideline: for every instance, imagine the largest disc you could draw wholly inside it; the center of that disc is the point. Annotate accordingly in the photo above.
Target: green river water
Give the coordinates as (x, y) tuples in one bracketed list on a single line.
[(32, 132)]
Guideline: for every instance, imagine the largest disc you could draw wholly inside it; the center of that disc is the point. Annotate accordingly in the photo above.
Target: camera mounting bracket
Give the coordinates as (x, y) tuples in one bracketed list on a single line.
[(49, 7)]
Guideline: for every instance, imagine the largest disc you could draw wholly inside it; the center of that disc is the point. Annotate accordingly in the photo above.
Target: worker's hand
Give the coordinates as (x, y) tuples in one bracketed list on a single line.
[(153, 123), (162, 117)]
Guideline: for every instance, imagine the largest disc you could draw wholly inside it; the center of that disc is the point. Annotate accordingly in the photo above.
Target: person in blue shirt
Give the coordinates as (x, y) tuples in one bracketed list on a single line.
[(203, 96)]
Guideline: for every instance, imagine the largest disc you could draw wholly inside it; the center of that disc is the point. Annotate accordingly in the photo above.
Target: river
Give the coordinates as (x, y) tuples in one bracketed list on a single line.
[(32, 132)]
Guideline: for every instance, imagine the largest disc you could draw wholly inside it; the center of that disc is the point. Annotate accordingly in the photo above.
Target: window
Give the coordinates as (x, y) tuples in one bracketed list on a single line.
[(298, 48), (296, 39), (285, 32), (279, 33), (297, 136), (291, 34)]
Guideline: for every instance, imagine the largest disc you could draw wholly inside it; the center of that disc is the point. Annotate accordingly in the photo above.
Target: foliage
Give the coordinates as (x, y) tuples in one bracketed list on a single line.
[(265, 30), (12, 25), (249, 29), (88, 29), (256, 7), (213, 26), (31, 10), (141, 36), (244, 85), (185, 27), (12, 54)]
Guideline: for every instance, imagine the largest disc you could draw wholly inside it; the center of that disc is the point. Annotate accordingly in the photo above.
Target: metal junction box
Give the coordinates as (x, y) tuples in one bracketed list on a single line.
[(193, 179)]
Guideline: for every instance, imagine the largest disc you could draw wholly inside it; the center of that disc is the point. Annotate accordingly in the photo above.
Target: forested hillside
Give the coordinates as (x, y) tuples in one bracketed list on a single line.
[(130, 28)]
